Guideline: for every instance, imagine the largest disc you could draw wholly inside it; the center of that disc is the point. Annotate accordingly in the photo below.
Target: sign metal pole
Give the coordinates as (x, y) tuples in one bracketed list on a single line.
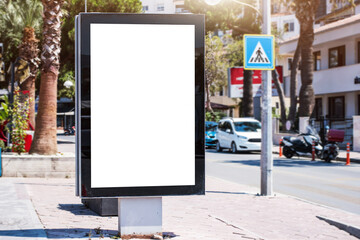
[(266, 162)]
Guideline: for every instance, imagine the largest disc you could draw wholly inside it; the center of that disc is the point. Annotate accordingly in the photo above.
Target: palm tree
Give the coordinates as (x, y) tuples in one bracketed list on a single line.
[(305, 11), (247, 104), (45, 133), (22, 20)]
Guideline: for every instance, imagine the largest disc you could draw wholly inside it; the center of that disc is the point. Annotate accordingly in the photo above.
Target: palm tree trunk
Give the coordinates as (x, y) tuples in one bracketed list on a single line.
[(293, 84), (45, 133), (28, 50), (306, 96), (275, 77), (248, 101)]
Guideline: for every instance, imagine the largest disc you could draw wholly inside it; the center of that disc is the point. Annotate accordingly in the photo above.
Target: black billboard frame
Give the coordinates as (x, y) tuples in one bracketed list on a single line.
[(83, 104)]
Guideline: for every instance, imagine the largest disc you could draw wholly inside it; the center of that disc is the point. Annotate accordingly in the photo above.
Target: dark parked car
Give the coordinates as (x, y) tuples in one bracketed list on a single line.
[(210, 134)]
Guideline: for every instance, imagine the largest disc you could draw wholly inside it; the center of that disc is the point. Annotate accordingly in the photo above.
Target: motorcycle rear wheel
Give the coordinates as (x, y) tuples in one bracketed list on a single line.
[(288, 153)]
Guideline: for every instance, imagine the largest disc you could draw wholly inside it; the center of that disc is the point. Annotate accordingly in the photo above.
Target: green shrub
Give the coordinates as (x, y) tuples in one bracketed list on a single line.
[(19, 120), (214, 116)]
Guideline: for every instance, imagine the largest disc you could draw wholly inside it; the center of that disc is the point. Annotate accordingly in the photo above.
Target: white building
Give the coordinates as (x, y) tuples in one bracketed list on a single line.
[(163, 6), (284, 22), (337, 64)]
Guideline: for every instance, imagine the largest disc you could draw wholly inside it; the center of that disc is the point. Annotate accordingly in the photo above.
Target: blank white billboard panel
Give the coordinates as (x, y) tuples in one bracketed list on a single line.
[(142, 105)]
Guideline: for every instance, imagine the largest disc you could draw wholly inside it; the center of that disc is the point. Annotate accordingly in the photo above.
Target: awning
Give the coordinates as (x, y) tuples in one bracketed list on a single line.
[(219, 106)]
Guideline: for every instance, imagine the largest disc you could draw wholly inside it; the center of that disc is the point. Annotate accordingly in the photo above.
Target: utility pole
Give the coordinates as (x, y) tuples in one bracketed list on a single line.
[(266, 163)]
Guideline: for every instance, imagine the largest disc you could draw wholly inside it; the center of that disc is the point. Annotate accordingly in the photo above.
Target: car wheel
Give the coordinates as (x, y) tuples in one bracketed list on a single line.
[(288, 153), (233, 147), (218, 147)]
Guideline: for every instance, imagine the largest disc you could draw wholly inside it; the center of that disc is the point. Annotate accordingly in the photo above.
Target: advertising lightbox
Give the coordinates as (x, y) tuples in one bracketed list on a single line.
[(236, 82), (140, 104)]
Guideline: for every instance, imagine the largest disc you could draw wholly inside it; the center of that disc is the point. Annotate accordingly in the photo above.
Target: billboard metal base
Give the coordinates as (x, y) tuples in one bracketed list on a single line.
[(140, 216)]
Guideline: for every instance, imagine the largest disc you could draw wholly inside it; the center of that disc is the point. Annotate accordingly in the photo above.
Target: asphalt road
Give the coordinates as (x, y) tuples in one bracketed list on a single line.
[(63, 138), (331, 184)]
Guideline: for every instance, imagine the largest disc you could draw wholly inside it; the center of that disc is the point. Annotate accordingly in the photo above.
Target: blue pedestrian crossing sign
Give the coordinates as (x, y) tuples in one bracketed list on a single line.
[(259, 52)]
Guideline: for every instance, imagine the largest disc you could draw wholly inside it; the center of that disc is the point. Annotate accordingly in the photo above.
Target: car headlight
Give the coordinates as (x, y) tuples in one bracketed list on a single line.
[(242, 137)]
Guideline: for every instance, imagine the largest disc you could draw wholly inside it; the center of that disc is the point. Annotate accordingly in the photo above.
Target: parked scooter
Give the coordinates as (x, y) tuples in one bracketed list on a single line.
[(70, 131), (302, 144), (331, 149)]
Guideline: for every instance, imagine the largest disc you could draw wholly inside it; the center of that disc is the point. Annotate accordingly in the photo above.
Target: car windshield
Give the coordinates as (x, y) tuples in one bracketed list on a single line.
[(211, 127), (247, 126)]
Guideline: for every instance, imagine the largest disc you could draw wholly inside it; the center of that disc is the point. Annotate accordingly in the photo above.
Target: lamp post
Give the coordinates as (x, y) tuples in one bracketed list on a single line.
[(68, 84), (266, 163)]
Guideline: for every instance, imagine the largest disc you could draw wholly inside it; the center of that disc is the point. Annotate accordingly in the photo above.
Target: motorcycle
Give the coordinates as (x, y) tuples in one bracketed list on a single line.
[(331, 149), (70, 131), (302, 144)]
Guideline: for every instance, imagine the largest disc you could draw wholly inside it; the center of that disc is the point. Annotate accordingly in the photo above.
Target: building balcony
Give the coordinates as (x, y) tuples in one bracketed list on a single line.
[(329, 81), (335, 80)]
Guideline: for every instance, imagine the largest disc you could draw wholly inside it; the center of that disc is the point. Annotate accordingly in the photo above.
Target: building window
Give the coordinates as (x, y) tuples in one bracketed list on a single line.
[(289, 27), (317, 61), (160, 7), (337, 57), (145, 8), (337, 107), (358, 46), (290, 63)]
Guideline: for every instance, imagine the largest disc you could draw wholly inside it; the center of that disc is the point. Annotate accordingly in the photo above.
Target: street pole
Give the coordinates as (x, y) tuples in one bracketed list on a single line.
[(266, 163)]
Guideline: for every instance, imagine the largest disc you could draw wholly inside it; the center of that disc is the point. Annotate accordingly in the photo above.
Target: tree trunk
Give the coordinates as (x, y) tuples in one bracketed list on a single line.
[(275, 77), (45, 141), (45, 133), (248, 101), (293, 84), (208, 103), (305, 13), (28, 51), (306, 96)]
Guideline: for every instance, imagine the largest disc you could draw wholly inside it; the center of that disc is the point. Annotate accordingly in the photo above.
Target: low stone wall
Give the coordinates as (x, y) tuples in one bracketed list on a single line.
[(25, 165)]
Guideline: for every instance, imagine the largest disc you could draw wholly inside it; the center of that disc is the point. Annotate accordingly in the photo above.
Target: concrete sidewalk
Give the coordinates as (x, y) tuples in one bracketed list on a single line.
[(48, 208)]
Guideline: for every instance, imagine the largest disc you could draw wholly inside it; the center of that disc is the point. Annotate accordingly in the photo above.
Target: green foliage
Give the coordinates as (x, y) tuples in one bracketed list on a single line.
[(4, 108), (62, 90), (215, 63), (2, 145), (214, 116), (73, 8), (19, 120), (227, 15), (15, 15), (234, 53)]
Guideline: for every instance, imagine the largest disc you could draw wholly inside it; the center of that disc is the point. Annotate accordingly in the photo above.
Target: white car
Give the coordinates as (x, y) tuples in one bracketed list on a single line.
[(239, 134)]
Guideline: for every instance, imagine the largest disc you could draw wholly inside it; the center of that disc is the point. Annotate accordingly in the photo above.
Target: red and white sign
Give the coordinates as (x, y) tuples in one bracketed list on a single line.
[(236, 82)]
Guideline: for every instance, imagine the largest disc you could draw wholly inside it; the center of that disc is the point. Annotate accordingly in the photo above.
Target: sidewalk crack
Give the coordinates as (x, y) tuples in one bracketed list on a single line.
[(245, 233)]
